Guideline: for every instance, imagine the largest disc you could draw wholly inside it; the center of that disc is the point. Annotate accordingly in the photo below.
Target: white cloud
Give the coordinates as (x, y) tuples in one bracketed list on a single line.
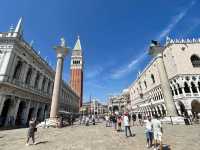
[(122, 71), (175, 20)]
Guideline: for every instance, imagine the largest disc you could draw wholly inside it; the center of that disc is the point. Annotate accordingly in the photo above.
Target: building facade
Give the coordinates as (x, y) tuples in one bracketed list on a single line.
[(26, 82), (182, 63), (94, 107), (119, 103), (76, 81)]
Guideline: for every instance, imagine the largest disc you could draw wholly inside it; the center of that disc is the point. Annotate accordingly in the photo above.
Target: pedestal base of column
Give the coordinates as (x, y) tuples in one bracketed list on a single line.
[(53, 122), (173, 120)]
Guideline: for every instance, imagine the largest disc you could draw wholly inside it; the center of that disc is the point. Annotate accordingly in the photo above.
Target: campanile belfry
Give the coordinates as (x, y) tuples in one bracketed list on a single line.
[(76, 80)]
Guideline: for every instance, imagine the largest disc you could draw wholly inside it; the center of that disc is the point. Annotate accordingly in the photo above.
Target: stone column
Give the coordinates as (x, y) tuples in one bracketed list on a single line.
[(157, 51), (61, 52), (24, 72), (168, 98), (40, 81), (2, 100), (191, 92), (12, 67), (46, 85), (15, 110), (33, 77)]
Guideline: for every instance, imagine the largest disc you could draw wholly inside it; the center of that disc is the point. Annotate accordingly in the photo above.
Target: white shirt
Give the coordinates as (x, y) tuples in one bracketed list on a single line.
[(126, 121), (156, 125), (107, 118), (148, 126)]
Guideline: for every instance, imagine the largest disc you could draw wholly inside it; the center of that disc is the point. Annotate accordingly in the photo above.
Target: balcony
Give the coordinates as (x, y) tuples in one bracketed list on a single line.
[(26, 87)]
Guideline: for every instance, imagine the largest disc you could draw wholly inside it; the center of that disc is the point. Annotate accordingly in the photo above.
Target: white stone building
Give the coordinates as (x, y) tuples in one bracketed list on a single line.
[(119, 103), (94, 107), (182, 63), (26, 82)]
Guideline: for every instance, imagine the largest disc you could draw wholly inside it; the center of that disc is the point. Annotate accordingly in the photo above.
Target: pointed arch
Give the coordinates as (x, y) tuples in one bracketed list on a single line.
[(195, 60)]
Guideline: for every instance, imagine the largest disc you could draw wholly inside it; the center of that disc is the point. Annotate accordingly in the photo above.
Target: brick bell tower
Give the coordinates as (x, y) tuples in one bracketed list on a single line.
[(76, 81)]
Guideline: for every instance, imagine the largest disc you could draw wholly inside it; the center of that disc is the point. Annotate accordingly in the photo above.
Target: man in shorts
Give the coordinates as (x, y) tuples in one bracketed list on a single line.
[(157, 132)]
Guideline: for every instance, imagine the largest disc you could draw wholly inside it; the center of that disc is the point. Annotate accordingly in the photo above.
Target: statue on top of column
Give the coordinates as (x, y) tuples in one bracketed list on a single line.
[(62, 42)]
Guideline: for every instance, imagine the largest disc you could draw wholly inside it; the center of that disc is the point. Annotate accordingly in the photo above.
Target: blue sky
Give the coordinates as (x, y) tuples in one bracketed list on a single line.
[(114, 33)]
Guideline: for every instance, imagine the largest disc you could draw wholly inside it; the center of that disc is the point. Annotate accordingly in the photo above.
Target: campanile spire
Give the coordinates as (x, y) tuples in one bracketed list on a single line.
[(76, 81)]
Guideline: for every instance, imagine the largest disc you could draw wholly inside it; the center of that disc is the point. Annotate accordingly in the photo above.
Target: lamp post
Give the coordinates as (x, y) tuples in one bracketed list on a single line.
[(61, 52)]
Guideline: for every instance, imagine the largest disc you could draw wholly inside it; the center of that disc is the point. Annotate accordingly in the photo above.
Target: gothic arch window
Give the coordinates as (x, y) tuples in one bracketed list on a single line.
[(145, 83), (186, 88), (194, 88), (37, 80), (140, 86), (28, 76), (195, 60), (152, 78), (175, 91), (17, 71), (179, 89)]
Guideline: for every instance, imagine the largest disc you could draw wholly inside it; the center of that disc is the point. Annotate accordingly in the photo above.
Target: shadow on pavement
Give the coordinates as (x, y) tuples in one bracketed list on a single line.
[(165, 147), (42, 142)]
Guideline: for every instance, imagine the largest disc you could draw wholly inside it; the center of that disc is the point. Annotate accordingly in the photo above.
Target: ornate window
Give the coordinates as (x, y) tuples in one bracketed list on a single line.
[(175, 91), (195, 60), (194, 88), (186, 88), (145, 83), (179, 89), (152, 78), (17, 71), (28, 77)]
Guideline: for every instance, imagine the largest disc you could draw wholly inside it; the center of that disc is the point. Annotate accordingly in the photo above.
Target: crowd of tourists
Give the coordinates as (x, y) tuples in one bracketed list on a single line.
[(119, 120), (87, 119), (122, 123)]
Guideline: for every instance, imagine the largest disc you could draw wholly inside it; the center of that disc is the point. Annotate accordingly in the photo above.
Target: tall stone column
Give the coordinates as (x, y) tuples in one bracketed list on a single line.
[(61, 52), (33, 77), (2, 100), (157, 51)]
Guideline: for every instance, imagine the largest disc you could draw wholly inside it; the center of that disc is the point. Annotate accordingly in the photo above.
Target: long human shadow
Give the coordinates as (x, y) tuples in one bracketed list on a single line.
[(42, 142)]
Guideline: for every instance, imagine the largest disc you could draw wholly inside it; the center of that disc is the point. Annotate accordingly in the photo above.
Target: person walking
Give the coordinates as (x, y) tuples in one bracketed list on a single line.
[(31, 131), (157, 132), (107, 121), (127, 125), (93, 119), (114, 120), (134, 118), (119, 123), (149, 132), (140, 119), (87, 120)]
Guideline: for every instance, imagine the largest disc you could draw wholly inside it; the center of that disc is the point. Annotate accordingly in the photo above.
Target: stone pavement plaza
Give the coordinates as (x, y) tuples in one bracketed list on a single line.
[(98, 137)]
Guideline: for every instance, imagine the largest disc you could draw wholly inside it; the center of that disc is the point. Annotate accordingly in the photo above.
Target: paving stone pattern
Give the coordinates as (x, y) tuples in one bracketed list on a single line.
[(99, 137)]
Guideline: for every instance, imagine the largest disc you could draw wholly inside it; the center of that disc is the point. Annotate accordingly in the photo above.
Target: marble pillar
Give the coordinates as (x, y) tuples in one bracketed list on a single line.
[(61, 52), (157, 51)]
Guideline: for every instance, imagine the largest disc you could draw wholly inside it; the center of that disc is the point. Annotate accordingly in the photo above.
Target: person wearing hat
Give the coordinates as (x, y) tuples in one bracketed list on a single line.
[(127, 125)]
